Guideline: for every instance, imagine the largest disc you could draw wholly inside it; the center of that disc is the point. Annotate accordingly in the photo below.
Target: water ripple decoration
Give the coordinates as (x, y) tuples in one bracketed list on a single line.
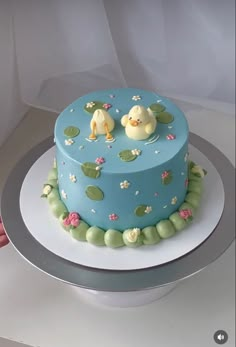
[(152, 140), (110, 141), (89, 140)]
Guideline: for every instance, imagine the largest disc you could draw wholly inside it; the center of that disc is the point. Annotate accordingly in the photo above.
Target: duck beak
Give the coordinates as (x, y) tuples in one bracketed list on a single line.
[(133, 122)]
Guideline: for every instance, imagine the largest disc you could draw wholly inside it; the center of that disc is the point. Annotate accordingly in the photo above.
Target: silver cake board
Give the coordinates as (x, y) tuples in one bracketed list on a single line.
[(120, 288)]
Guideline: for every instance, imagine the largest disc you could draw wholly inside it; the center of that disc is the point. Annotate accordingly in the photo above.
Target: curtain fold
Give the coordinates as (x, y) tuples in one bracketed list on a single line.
[(12, 108)]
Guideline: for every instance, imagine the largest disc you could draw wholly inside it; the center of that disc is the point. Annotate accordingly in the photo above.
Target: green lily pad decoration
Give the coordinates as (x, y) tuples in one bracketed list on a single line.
[(94, 193), (71, 131), (91, 170), (157, 108), (127, 155), (140, 210), (164, 117), (92, 106)]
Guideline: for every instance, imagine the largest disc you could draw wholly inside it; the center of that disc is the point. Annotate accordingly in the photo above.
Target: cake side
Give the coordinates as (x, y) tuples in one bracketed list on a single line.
[(133, 237)]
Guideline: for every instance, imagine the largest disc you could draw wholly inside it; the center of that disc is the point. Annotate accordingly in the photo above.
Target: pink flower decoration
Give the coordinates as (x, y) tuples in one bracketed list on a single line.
[(107, 106), (185, 214), (186, 182), (170, 137), (73, 219), (73, 215), (113, 216), (74, 222), (165, 174), (66, 221), (100, 160)]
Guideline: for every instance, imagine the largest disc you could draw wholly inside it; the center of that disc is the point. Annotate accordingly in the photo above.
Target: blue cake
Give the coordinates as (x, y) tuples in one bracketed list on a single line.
[(122, 174)]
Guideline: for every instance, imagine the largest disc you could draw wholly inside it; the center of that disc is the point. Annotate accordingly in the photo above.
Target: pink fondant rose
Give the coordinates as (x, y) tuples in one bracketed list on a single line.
[(72, 219), (186, 214), (73, 215), (74, 222), (66, 221)]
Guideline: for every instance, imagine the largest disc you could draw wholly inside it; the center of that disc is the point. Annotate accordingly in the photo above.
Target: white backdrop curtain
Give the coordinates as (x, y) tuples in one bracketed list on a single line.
[(53, 51)]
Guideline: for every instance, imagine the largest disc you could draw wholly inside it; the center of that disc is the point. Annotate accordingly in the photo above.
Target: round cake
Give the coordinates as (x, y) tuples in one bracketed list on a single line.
[(122, 167)]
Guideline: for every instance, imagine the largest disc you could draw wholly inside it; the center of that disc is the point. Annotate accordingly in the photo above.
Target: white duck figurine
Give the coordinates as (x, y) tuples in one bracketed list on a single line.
[(139, 123), (101, 123)]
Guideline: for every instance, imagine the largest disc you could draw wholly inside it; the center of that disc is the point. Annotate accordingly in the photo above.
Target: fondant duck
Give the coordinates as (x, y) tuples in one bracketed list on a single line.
[(101, 123), (139, 123)]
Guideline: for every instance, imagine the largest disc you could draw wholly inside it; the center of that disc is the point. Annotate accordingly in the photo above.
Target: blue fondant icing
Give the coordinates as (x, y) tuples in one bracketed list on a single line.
[(144, 174)]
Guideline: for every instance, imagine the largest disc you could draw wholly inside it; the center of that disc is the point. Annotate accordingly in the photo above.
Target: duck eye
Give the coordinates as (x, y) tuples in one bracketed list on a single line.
[(130, 118)]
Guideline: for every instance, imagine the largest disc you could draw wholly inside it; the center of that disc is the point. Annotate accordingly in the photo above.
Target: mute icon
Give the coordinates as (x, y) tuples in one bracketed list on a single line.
[(220, 337)]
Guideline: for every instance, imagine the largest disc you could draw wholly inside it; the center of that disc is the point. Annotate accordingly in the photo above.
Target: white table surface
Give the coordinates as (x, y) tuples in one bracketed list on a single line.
[(38, 310)]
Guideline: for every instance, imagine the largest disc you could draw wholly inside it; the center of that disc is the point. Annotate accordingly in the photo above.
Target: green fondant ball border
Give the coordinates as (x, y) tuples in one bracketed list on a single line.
[(112, 238)]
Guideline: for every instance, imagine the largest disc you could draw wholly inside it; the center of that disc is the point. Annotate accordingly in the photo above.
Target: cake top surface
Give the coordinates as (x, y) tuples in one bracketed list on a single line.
[(121, 154)]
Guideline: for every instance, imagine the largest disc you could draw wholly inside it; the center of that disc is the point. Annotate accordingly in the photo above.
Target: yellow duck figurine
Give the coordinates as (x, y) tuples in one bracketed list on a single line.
[(139, 123), (101, 123)]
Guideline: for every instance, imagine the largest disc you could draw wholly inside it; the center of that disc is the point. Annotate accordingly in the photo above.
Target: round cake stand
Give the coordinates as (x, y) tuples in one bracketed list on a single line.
[(112, 287)]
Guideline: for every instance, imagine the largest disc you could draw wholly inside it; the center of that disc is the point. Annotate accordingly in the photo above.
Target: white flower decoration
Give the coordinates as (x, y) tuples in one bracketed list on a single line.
[(124, 185), (69, 142), (54, 163), (63, 194), (186, 157), (90, 104), (197, 169), (133, 235), (136, 97), (97, 168), (47, 189), (73, 178), (174, 200), (148, 209), (136, 151)]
